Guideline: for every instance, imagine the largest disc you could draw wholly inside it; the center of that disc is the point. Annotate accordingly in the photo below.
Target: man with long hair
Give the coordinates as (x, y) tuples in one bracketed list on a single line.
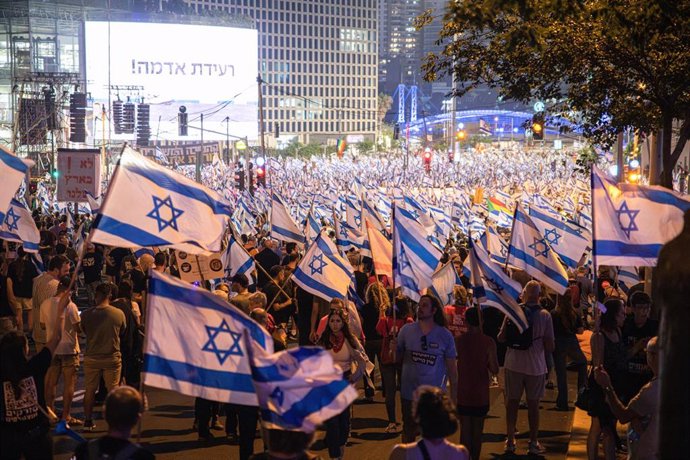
[(427, 351)]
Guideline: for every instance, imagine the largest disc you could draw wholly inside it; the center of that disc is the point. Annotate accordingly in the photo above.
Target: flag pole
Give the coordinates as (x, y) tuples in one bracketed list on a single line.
[(595, 308), (393, 258), (145, 345), (512, 232)]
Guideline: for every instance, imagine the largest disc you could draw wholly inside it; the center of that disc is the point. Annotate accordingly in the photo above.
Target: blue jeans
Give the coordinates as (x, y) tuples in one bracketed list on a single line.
[(568, 347)]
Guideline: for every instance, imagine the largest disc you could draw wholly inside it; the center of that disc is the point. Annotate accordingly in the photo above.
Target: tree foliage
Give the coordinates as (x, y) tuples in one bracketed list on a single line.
[(604, 65)]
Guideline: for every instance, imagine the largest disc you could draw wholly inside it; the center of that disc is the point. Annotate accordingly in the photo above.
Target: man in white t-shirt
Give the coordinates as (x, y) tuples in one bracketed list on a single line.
[(643, 410), (525, 370), (66, 357)]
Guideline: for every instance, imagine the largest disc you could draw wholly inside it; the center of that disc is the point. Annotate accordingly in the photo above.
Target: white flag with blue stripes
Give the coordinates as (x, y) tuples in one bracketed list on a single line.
[(530, 251), (12, 171), (20, 227), (283, 226), (569, 241), (323, 272), (312, 228), (444, 281), (236, 259), (194, 343), (493, 288), (415, 259), (149, 205), (300, 388), (627, 278), (632, 222)]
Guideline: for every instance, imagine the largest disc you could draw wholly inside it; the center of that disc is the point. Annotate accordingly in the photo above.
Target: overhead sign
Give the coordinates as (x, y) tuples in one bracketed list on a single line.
[(199, 268), (78, 172)]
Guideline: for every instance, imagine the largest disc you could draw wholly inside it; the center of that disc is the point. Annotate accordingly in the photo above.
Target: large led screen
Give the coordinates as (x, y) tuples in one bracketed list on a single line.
[(210, 70)]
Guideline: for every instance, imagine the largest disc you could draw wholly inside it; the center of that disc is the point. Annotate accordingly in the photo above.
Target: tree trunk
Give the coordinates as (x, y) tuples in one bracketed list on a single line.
[(667, 162)]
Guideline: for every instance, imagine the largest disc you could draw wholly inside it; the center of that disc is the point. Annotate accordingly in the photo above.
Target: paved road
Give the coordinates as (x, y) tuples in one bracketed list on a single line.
[(167, 430)]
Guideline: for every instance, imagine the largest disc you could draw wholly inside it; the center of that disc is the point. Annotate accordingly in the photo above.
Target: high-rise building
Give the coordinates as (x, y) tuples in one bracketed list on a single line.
[(399, 44), (318, 60)]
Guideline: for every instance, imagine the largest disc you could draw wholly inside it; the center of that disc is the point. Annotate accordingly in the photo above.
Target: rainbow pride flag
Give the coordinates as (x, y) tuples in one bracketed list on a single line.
[(341, 145)]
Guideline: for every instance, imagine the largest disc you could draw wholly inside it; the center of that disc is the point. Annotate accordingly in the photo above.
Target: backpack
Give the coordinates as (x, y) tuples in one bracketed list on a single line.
[(517, 340)]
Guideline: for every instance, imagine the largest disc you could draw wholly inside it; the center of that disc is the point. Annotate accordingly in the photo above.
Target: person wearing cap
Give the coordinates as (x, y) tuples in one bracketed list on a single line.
[(637, 329), (65, 360)]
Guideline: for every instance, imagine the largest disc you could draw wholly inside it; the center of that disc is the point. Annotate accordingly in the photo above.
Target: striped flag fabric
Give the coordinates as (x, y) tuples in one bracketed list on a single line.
[(415, 259), (627, 278), (444, 281), (493, 288), (12, 170), (194, 343), (530, 251), (283, 227), (148, 205), (236, 259), (632, 222), (568, 241), (94, 203), (381, 251), (312, 228), (300, 388), (323, 272), (20, 227), (496, 246)]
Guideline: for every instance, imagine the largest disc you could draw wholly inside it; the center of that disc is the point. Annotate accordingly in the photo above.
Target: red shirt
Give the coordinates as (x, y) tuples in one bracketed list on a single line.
[(385, 325), (473, 369), (456, 319)]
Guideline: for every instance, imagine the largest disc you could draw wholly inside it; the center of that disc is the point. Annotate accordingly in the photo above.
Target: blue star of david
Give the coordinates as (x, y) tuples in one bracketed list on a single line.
[(552, 236), (278, 396), (632, 214), (504, 251), (213, 333), (343, 230), (358, 220), (317, 264), (535, 246), (11, 220), (156, 213), (415, 214), (493, 285)]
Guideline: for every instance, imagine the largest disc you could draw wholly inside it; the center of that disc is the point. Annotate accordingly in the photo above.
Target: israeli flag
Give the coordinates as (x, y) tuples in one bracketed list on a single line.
[(632, 222), (283, 227), (194, 343), (94, 203), (323, 272), (493, 288), (353, 212), (627, 278), (236, 259), (530, 251), (415, 259), (149, 205), (347, 237), (312, 228), (568, 241), (496, 246), (12, 170), (443, 281), (20, 227), (370, 214), (300, 388)]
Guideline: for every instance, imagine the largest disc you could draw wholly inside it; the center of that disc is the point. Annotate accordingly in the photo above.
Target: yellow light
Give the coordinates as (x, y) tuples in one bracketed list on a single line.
[(461, 135), (536, 127), (634, 177)]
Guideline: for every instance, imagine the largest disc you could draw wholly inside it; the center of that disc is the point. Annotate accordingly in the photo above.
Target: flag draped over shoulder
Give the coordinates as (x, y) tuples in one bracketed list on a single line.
[(530, 251), (194, 343), (20, 227), (12, 171), (300, 388), (632, 222), (493, 288), (323, 272), (149, 205)]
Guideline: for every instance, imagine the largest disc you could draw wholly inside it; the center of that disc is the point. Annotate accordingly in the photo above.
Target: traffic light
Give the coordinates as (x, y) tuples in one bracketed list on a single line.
[(182, 121), (239, 178), (461, 135), (538, 127), (261, 176), (396, 132), (250, 177), (426, 159)]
